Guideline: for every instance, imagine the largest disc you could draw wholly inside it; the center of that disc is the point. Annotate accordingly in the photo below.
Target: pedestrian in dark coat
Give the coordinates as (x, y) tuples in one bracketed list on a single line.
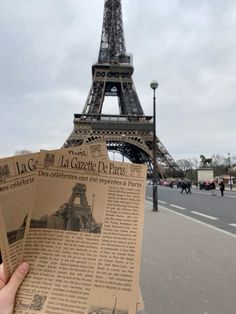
[(188, 186), (184, 187), (222, 188)]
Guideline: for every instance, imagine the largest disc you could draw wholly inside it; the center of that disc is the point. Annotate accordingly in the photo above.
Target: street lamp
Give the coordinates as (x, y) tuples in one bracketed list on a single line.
[(154, 86), (123, 147), (230, 182)]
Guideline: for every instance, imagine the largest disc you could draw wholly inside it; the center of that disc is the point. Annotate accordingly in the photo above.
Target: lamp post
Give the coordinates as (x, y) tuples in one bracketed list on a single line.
[(154, 86), (123, 147), (230, 182)]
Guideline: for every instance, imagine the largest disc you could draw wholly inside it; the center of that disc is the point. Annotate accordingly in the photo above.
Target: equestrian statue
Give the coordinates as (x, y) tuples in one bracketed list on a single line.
[(205, 162)]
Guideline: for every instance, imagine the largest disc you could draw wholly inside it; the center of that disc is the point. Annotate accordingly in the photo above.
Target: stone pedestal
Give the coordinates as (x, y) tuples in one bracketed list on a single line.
[(205, 174)]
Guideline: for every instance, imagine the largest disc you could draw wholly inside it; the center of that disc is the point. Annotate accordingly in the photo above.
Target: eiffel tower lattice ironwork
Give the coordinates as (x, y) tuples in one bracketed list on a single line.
[(131, 131)]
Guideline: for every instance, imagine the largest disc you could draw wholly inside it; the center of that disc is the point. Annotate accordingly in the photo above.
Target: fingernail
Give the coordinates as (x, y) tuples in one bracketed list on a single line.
[(24, 268)]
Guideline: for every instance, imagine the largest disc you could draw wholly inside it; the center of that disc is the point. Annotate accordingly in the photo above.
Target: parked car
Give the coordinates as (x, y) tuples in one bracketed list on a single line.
[(164, 183), (207, 185)]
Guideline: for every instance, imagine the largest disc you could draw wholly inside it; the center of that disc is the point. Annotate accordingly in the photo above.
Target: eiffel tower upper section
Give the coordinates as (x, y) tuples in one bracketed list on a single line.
[(131, 131), (113, 72), (112, 47)]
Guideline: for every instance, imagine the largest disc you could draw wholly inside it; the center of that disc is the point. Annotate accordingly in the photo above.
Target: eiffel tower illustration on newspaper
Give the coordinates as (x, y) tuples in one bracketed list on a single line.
[(130, 132)]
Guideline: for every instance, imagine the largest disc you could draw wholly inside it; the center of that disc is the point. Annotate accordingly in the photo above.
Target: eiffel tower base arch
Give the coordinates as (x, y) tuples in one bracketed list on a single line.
[(132, 137)]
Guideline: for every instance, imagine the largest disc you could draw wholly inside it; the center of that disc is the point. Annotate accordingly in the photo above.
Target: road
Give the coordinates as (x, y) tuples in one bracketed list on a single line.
[(201, 205)]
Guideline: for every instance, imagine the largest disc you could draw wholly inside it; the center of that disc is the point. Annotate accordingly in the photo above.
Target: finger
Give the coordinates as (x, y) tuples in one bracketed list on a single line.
[(2, 277), (2, 284), (17, 278)]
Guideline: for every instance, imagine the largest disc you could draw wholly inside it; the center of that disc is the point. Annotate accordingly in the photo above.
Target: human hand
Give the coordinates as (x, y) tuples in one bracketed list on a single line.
[(8, 289)]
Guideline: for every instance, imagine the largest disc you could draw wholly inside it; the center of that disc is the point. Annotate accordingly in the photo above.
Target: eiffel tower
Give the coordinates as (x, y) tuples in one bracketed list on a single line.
[(131, 131)]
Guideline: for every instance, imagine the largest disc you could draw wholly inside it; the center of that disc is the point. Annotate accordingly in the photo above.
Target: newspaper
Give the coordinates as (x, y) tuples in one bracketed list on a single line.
[(16, 181), (17, 176), (83, 238)]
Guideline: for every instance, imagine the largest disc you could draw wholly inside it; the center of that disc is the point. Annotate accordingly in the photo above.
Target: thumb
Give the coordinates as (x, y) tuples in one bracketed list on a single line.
[(16, 279)]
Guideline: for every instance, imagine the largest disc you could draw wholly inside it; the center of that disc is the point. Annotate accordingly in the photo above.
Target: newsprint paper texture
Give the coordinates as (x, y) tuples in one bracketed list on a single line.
[(83, 240), (16, 180), (17, 176)]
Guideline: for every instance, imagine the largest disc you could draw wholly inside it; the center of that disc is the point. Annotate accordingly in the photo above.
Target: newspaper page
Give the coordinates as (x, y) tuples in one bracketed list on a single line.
[(17, 175), (84, 238), (16, 181)]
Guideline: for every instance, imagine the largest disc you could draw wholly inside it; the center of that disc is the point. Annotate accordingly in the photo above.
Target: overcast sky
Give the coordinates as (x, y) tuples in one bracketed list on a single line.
[(188, 46)]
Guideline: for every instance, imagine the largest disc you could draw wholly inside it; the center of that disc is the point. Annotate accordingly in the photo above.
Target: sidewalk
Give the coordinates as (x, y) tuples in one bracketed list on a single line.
[(187, 267)]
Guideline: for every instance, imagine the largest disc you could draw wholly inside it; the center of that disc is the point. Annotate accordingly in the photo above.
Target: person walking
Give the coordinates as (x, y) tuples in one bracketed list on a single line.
[(213, 188), (184, 187), (222, 187), (188, 187)]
